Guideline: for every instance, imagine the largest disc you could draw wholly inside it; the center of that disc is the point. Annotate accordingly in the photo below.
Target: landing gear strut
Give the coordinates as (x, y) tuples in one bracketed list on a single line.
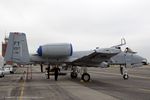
[(48, 71), (41, 67), (121, 70), (74, 74)]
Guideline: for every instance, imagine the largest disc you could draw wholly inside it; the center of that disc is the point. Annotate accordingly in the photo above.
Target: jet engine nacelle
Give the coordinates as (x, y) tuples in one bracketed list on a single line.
[(55, 50), (104, 65)]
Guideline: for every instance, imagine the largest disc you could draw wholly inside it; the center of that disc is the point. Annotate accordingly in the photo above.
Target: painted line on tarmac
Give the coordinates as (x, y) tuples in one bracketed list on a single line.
[(145, 90), (135, 76), (25, 97), (22, 87)]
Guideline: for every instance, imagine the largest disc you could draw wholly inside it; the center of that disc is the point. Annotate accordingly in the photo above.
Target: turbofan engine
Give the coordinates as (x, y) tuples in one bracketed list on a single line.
[(55, 50)]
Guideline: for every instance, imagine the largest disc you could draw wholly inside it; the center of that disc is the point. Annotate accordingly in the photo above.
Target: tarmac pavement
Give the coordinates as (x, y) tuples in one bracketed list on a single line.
[(105, 84)]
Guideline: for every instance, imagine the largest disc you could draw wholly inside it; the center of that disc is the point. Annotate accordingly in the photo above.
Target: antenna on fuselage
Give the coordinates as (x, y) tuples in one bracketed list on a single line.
[(123, 42)]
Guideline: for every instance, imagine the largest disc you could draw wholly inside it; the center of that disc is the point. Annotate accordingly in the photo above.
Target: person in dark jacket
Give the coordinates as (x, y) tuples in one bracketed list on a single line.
[(56, 72)]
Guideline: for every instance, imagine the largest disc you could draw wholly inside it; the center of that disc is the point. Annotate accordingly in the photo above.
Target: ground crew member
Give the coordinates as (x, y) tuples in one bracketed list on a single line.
[(56, 72)]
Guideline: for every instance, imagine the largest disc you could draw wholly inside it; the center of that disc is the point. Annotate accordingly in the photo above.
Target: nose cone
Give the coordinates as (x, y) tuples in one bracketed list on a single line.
[(39, 51), (144, 61), (138, 59)]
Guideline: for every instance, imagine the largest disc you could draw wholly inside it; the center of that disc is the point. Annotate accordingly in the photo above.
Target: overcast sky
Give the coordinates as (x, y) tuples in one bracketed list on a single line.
[(84, 23)]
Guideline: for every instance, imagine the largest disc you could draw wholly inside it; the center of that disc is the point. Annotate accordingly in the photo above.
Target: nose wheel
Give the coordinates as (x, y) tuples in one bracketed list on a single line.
[(125, 76)]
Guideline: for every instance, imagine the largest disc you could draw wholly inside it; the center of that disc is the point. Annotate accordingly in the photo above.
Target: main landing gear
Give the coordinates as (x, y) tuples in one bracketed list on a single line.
[(83, 71), (74, 73)]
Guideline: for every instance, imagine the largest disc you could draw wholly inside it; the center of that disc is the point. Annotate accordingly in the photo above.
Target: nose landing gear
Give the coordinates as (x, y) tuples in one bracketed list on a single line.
[(123, 71)]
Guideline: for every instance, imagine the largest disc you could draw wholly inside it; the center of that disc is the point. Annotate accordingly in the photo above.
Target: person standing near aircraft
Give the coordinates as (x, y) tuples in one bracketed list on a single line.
[(56, 72)]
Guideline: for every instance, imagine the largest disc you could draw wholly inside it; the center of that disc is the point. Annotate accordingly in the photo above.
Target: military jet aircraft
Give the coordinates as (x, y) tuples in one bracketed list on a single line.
[(62, 53)]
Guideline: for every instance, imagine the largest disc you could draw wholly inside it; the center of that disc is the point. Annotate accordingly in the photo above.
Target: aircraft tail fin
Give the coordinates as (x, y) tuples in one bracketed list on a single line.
[(17, 48)]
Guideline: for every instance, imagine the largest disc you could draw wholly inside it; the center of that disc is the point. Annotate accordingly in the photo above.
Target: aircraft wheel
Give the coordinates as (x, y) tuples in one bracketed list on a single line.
[(86, 77), (73, 75), (2, 75), (11, 72), (125, 76)]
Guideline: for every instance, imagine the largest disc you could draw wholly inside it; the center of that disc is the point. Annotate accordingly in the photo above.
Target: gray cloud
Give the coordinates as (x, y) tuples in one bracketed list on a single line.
[(84, 23)]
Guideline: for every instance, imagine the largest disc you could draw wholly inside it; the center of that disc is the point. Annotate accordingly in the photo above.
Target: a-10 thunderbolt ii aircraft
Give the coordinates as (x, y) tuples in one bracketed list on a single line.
[(62, 53)]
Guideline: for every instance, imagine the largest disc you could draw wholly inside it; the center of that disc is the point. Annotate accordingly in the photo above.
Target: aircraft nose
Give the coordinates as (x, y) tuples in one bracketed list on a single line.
[(144, 61)]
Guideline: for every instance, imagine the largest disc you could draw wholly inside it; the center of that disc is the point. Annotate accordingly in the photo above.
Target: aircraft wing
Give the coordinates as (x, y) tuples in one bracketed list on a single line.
[(97, 56)]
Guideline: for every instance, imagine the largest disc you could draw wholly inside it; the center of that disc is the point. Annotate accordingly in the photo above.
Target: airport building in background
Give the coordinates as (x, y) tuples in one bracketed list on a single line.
[(4, 47)]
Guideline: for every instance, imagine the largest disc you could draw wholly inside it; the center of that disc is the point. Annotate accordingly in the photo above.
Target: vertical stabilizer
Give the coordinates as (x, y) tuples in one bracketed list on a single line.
[(17, 49)]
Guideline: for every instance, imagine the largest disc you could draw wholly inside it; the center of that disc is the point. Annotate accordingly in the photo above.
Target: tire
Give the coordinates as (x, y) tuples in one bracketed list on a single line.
[(2, 75), (125, 76), (86, 77), (11, 72), (73, 75)]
